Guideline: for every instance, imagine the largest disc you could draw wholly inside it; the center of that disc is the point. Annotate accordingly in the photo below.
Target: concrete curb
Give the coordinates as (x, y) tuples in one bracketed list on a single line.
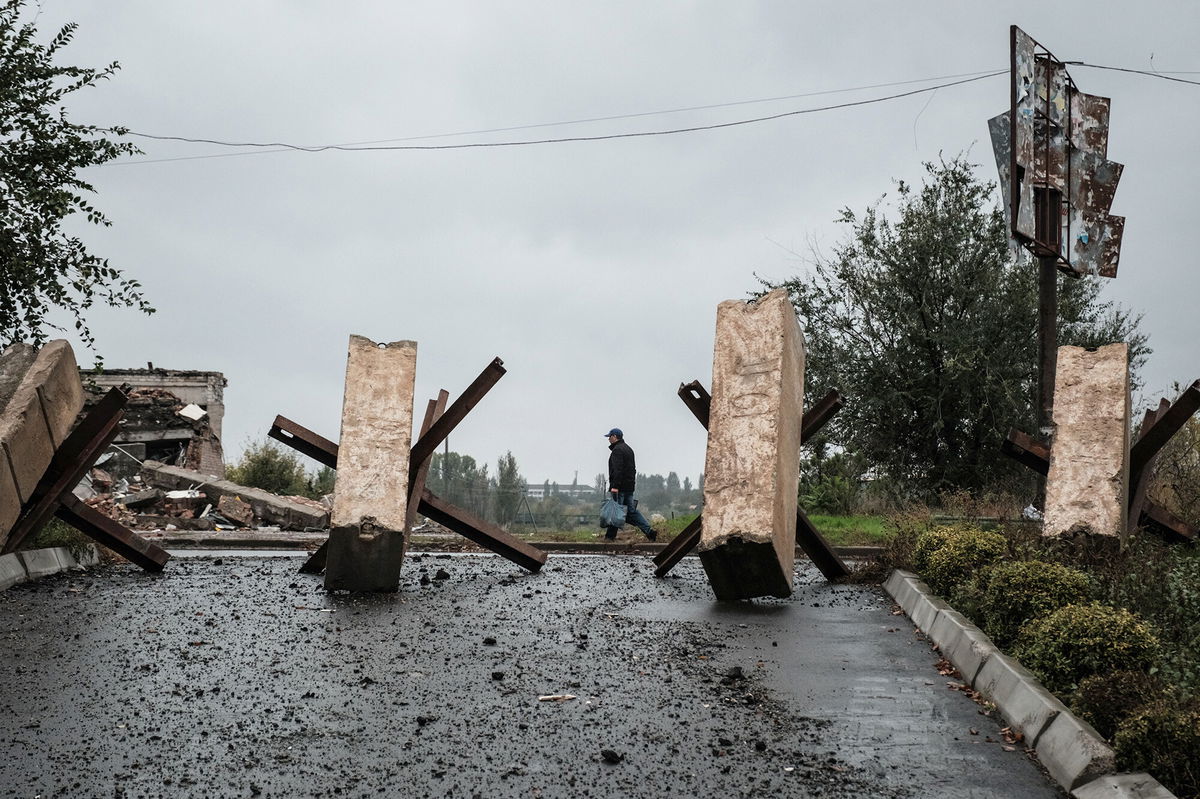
[(22, 567), (1075, 755)]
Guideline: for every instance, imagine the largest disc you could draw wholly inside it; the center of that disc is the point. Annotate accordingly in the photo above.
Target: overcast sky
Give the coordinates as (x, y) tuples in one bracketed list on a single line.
[(593, 269)]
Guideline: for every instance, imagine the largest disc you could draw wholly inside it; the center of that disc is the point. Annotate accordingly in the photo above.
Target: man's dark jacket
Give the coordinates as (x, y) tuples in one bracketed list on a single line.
[(622, 473)]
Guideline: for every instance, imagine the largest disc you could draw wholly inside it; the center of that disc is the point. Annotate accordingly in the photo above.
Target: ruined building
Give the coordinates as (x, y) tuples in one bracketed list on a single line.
[(173, 416)]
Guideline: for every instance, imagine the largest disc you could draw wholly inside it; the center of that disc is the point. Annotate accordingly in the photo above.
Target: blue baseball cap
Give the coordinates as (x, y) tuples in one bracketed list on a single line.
[(616, 431)]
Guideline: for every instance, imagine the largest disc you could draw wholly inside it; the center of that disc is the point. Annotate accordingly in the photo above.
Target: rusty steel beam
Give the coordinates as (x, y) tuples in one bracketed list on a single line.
[(305, 441), (71, 461), (699, 402), (816, 416), (482, 532), (1165, 426), (416, 486), (1167, 524), (675, 551), (1028, 451), (457, 411), (111, 534), (1139, 481), (1036, 456), (818, 549)]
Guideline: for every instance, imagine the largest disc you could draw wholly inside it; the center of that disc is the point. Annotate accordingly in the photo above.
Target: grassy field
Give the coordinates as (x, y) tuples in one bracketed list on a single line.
[(838, 530)]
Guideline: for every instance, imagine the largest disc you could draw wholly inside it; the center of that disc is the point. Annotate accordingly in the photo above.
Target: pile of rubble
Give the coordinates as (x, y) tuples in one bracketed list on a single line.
[(159, 425), (165, 497)]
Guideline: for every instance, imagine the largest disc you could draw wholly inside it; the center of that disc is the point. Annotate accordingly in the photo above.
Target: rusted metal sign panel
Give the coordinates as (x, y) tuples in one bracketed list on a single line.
[(1051, 150)]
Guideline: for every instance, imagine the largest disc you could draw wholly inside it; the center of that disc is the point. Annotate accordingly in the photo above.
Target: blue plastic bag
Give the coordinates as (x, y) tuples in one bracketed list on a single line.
[(612, 513)]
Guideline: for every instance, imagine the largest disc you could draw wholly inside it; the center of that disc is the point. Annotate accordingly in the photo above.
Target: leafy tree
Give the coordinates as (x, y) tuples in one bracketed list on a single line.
[(601, 483), (927, 323), (42, 153), (268, 466), (509, 487), (672, 485), (322, 483), (687, 485)]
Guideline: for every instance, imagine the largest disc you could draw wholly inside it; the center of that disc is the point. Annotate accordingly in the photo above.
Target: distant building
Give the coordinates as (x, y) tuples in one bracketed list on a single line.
[(538, 491)]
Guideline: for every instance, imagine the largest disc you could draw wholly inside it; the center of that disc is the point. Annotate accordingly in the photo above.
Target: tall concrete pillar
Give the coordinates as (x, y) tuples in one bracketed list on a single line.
[(1087, 487), (367, 527), (752, 466)]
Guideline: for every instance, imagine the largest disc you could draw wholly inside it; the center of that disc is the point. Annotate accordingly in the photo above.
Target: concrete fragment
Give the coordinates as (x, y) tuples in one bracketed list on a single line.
[(367, 535), (12, 571), (40, 407), (1123, 786), (268, 507), (1073, 752), (748, 540), (1022, 700), (141, 499), (235, 510), (1088, 483)]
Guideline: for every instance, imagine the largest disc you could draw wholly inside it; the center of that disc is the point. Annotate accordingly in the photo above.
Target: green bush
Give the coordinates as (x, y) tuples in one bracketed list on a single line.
[(57, 533), (1014, 592), (1077, 641), (1106, 700), (929, 541), (947, 557), (1164, 740), (269, 467)]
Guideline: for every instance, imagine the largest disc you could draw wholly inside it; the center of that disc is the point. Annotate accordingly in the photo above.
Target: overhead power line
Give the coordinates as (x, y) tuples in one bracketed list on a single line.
[(262, 147), (1146, 72), (390, 144)]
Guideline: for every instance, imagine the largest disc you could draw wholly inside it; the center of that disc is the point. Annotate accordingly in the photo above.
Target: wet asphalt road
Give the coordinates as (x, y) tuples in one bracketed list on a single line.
[(235, 676)]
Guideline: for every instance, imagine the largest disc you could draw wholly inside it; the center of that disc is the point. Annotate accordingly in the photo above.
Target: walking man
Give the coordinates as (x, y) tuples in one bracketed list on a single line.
[(622, 476)]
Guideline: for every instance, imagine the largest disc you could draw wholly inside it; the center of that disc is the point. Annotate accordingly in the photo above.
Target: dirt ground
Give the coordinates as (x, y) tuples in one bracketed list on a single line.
[(235, 676)]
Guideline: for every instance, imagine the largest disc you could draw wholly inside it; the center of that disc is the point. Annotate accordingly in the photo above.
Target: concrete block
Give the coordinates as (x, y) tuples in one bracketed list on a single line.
[(1073, 752), (892, 583), (748, 541), (963, 644), (59, 388), (39, 414), (1022, 700), (910, 592), (12, 571), (367, 535), (268, 507), (41, 562), (926, 609), (1088, 483), (1123, 786)]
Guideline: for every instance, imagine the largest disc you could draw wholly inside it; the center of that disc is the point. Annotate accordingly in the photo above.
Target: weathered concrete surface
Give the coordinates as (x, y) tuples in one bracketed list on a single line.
[(366, 542), (1088, 485), (226, 677), (32, 564), (1073, 752), (43, 397), (1139, 785), (267, 506), (752, 465)]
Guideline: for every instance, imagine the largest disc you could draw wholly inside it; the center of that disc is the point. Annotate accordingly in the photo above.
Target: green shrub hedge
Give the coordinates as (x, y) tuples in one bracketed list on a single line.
[(1106, 700), (1078, 641), (1164, 740), (947, 557), (1015, 592)]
